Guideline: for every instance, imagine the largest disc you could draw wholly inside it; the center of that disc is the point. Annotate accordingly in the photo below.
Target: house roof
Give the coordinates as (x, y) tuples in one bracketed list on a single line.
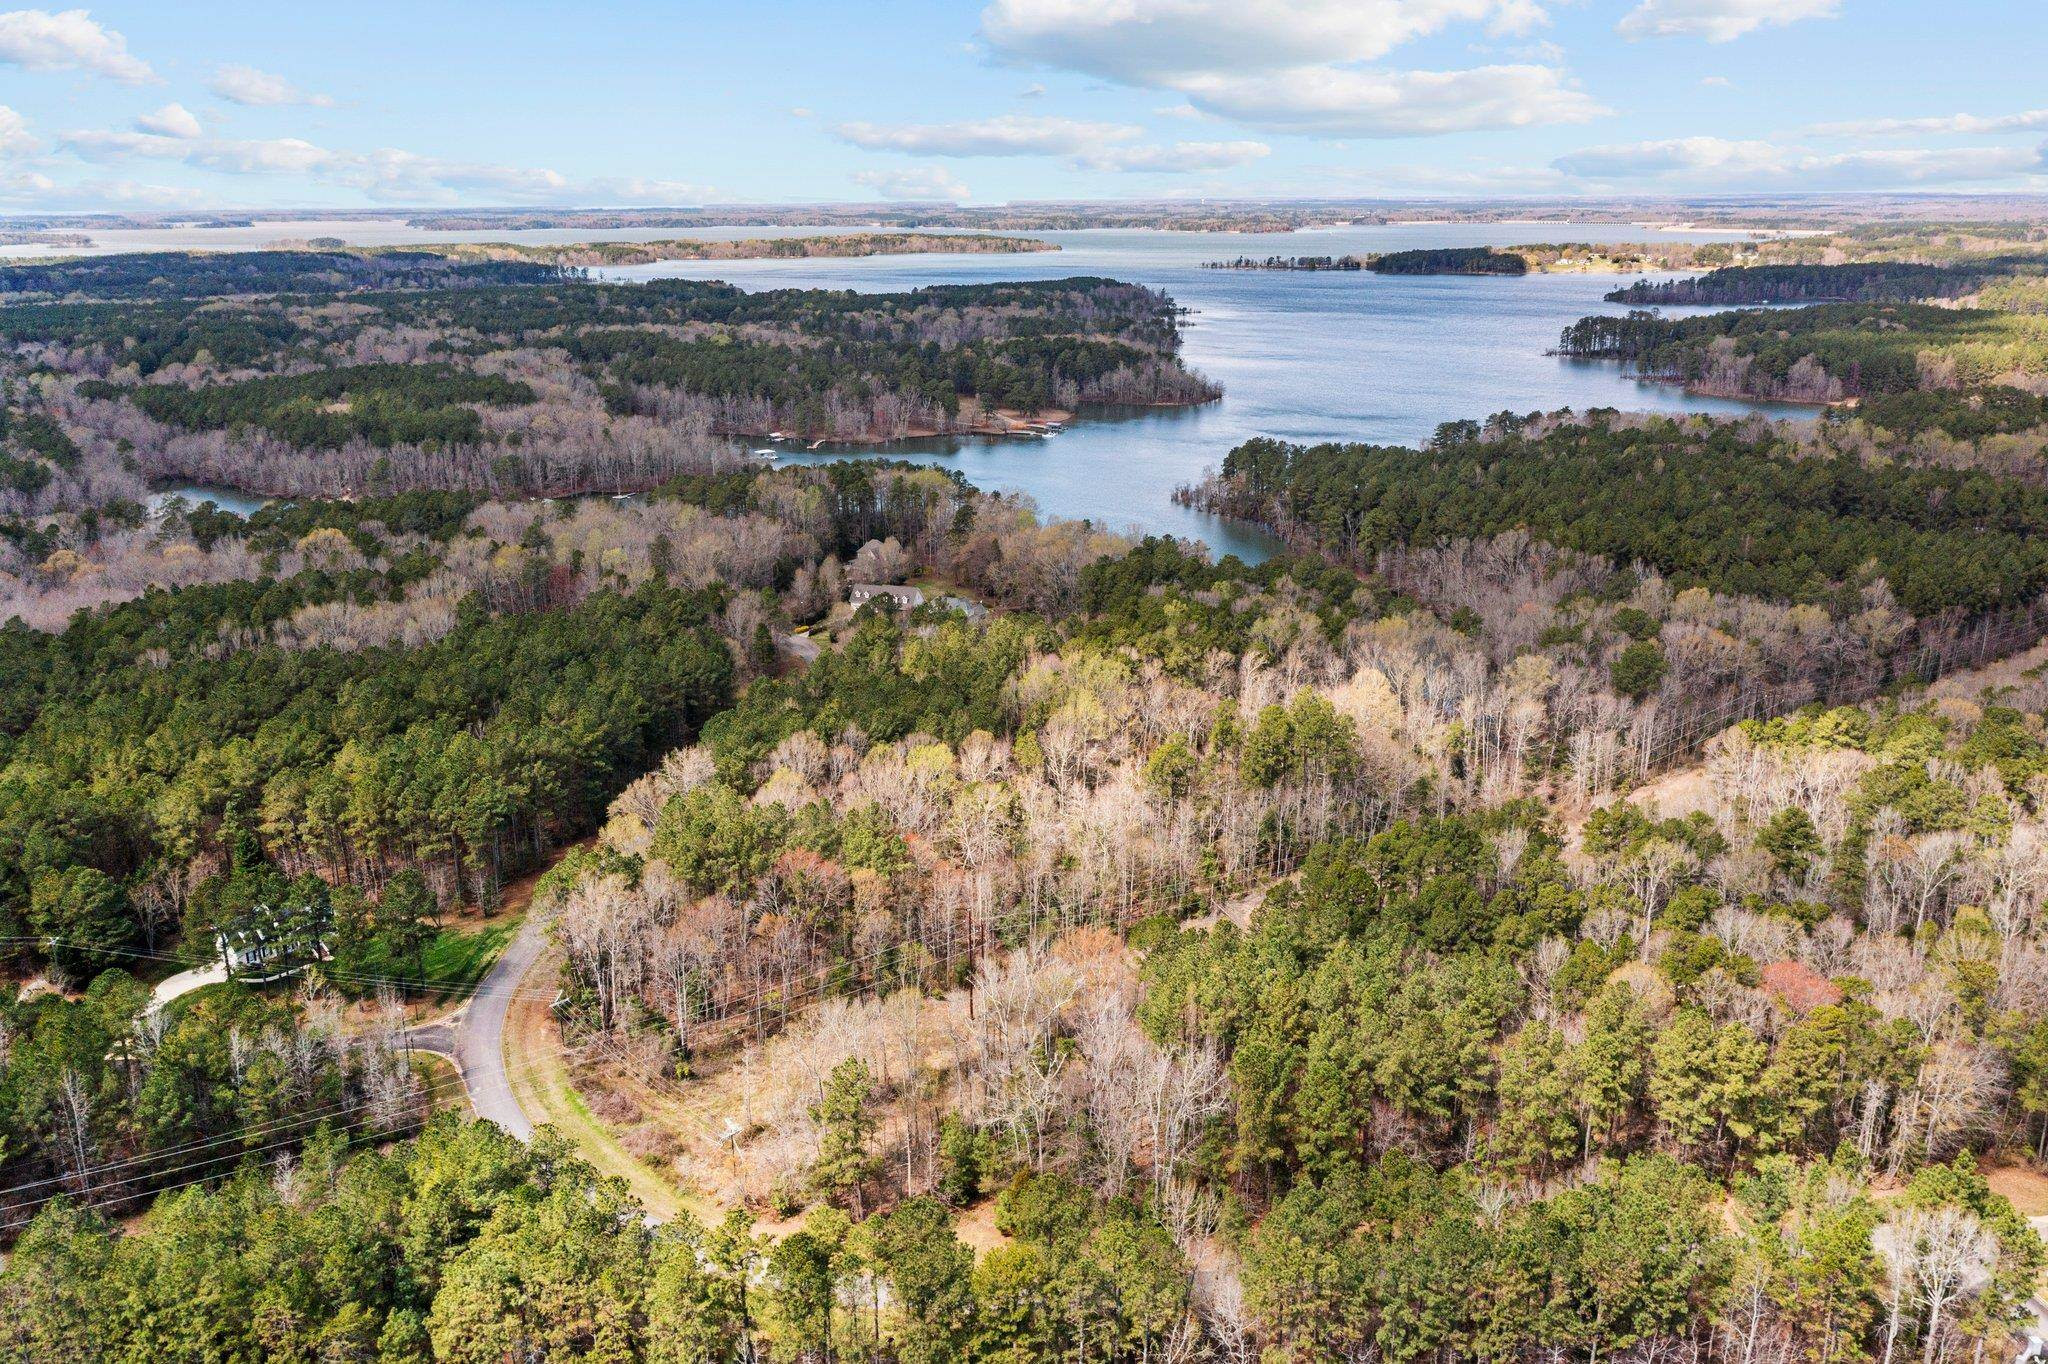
[(900, 591), (260, 924)]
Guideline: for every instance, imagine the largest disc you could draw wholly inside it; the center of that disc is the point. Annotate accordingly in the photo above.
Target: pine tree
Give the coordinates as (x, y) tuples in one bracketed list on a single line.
[(844, 1163)]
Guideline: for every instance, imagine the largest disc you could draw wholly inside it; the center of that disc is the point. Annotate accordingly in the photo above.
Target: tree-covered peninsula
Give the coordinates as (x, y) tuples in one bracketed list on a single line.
[(356, 374), (1823, 353)]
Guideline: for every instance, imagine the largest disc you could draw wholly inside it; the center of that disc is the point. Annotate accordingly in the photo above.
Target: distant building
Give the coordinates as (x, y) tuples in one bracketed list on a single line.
[(905, 598), (269, 942)]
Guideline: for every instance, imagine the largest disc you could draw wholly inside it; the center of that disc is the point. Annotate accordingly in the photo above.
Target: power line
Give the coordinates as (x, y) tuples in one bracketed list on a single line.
[(1689, 731)]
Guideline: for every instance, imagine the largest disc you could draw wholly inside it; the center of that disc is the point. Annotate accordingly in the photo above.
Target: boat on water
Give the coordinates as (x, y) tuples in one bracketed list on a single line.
[(764, 453)]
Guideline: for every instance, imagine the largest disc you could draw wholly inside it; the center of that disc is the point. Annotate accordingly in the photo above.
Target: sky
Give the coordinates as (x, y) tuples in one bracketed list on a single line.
[(236, 104)]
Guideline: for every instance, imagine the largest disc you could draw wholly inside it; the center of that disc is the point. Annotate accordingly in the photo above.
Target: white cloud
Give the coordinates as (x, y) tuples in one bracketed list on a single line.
[(129, 194), (1717, 21), (636, 191), (1087, 146), (1179, 158), (1181, 110), (391, 174), (37, 40), (1031, 91), (1507, 181), (247, 85), (25, 187), (1294, 66), (1636, 159), (1717, 82), (97, 145), (388, 174), (1717, 163), (234, 156), (1517, 17), (1006, 135), (2029, 121), (15, 138), (1156, 42), (32, 189), (173, 120), (1339, 102), (921, 183)]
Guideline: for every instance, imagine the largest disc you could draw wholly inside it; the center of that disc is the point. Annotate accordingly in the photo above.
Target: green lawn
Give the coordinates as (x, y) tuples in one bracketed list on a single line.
[(455, 960)]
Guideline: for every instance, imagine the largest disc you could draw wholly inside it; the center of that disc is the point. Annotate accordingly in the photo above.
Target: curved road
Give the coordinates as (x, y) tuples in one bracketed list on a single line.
[(473, 1037)]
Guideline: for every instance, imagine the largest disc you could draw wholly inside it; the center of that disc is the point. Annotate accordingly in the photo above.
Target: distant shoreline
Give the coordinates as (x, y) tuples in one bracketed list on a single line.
[(836, 246)]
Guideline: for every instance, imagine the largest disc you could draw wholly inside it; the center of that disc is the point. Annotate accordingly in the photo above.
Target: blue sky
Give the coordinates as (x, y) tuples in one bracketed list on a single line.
[(206, 103)]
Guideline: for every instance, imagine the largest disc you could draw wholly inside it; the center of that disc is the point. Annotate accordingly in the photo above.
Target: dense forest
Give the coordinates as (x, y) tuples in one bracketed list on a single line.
[(1884, 312), (385, 404), (380, 710), (1508, 925), (1257, 956), (1722, 505), (1482, 1073), (161, 274), (1475, 260), (1889, 281), (296, 373), (1826, 352), (1539, 257), (1450, 260)]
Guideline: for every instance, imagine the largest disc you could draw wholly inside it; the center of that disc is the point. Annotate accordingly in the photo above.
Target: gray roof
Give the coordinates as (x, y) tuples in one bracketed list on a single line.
[(902, 592)]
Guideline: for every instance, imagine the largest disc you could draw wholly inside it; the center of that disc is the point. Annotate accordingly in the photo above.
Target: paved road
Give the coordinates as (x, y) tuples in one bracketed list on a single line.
[(474, 1036)]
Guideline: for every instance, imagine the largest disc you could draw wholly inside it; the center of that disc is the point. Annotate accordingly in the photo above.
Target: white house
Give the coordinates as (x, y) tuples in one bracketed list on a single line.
[(268, 942)]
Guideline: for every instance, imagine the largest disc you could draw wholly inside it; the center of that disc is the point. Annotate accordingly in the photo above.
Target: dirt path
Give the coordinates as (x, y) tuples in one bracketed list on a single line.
[(1238, 908)]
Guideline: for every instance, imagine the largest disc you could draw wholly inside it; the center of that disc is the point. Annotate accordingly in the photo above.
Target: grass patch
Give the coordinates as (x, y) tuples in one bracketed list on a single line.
[(456, 960), (194, 998)]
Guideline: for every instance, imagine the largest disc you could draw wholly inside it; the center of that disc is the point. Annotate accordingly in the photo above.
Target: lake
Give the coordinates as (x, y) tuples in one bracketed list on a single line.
[(1304, 356), (196, 495)]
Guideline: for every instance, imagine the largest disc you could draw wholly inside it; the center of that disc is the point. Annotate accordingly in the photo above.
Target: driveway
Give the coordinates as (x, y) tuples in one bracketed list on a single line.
[(184, 983)]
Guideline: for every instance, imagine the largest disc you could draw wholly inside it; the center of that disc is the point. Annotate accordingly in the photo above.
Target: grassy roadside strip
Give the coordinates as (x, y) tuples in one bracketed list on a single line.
[(539, 1072)]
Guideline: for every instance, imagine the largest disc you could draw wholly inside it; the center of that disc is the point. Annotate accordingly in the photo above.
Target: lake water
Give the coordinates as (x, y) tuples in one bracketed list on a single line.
[(1304, 356), (196, 495), (1301, 356)]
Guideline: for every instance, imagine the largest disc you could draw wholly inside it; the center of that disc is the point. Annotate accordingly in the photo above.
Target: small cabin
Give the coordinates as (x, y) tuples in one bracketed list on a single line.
[(904, 598)]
